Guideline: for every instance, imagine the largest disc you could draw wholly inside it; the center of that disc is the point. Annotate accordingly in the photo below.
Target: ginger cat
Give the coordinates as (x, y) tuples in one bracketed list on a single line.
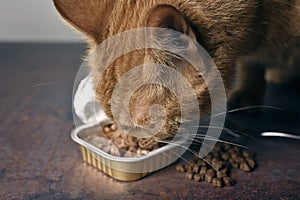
[(249, 41)]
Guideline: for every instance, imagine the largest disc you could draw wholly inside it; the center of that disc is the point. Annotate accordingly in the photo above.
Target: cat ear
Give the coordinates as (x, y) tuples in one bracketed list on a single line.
[(166, 16), (82, 15)]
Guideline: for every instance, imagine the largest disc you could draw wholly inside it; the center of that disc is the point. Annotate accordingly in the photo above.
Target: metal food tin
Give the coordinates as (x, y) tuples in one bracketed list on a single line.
[(124, 168)]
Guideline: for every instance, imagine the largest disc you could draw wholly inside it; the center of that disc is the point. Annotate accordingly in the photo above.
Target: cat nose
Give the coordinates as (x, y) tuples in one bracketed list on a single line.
[(147, 115), (140, 116), (146, 121)]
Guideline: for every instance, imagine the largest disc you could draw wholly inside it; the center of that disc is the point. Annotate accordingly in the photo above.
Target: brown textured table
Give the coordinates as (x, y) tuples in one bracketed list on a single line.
[(38, 159)]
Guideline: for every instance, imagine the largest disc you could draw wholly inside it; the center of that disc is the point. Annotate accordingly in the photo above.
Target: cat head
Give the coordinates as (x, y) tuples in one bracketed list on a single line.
[(216, 25)]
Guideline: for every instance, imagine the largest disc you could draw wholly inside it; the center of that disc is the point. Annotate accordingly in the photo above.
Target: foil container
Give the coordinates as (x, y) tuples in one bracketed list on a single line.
[(127, 168)]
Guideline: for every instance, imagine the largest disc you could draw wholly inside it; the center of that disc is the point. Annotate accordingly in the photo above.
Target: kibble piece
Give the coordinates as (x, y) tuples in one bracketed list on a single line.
[(227, 146), (202, 177), (247, 154), (199, 177), (216, 156), (217, 164), (211, 171), (189, 175), (250, 162), (210, 174), (245, 167), (142, 151), (203, 170), (196, 157), (201, 163), (236, 148), (230, 151), (225, 156), (113, 127), (220, 174), (208, 178), (234, 154), (196, 168), (228, 181), (215, 153), (214, 159), (180, 168), (217, 182), (224, 171), (106, 129), (208, 160), (233, 163), (240, 159), (209, 156), (189, 168), (214, 181)]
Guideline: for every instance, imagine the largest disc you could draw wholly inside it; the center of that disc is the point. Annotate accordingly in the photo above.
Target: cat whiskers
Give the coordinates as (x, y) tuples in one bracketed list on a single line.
[(248, 108), (230, 131), (198, 138), (189, 150), (205, 137), (234, 131), (41, 84)]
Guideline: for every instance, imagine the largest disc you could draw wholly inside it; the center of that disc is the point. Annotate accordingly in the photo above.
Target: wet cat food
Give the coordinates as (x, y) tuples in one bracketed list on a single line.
[(118, 144)]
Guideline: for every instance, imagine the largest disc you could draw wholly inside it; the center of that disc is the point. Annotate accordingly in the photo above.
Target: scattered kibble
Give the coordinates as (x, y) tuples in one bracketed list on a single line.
[(203, 170), (245, 167), (220, 174), (196, 168), (221, 159), (217, 182), (190, 175), (228, 181), (180, 168), (250, 162), (209, 175), (197, 177)]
